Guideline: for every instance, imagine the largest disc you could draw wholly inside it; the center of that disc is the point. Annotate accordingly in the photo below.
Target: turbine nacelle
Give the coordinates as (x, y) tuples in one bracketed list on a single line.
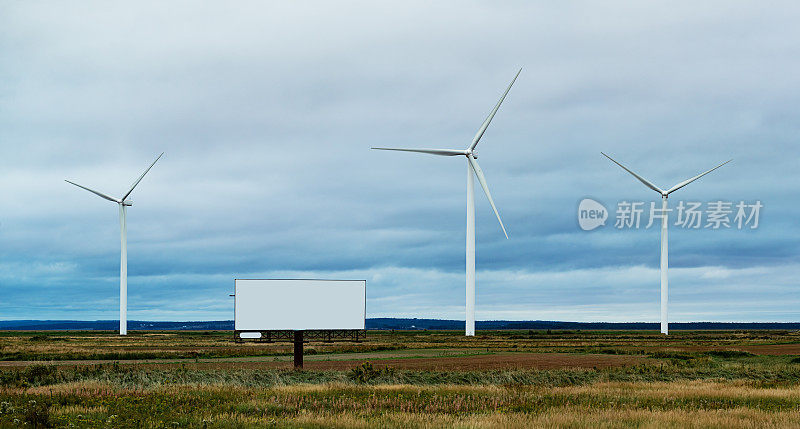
[(127, 203)]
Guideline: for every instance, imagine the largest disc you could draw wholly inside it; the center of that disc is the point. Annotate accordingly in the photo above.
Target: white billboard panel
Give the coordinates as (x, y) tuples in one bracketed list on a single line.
[(262, 305)]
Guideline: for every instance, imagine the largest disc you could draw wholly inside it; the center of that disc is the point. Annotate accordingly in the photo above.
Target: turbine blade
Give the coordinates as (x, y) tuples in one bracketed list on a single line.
[(688, 181), (142, 177), (641, 179), (100, 194), (488, 120), (441, 152), (478, 172)]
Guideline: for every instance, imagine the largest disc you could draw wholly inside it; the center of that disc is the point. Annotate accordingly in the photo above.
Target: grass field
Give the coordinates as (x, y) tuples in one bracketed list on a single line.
[(743, 379)]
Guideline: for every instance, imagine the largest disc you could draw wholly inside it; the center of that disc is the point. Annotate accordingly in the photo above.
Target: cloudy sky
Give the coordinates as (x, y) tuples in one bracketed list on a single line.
[(266, 112)]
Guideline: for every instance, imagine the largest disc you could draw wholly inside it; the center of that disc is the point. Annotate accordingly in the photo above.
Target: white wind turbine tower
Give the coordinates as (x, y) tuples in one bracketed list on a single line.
[(123, 264), (472, 167), (664, 224)]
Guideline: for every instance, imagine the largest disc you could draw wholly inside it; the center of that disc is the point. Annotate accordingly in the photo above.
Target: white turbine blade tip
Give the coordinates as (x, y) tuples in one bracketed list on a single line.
[(141, 177), (638, 177), (688, 181), (488, 120), (98, 193), (482, 180), (440, 152)]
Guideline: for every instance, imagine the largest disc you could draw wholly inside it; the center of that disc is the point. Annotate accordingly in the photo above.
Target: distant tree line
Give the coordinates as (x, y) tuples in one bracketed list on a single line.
[(399, 324)]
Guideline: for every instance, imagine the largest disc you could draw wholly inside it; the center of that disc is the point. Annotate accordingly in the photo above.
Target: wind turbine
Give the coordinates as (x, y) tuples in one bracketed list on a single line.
[(472, 168), (664, 224), (123, 264)]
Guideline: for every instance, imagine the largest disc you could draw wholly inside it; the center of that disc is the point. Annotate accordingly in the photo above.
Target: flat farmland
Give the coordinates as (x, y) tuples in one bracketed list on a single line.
[(403, 379)]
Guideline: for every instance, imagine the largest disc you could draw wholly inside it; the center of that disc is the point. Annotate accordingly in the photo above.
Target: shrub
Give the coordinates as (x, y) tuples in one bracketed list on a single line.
[(672, 355), (729, 353), (40, 374), (37, 414), (366, 373)]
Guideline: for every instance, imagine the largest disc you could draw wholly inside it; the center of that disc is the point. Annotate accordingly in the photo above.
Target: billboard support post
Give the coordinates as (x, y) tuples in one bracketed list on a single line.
[(298, 349)]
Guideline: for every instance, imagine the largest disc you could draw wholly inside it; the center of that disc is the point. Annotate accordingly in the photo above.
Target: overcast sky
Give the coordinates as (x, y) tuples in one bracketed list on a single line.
[(266, 112)]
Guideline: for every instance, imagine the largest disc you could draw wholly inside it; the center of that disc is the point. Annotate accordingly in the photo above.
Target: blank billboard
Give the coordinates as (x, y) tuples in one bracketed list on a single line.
[(262, 305)]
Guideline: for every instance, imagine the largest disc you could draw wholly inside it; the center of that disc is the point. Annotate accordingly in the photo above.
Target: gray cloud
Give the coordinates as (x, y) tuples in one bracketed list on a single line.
[(266, 112)]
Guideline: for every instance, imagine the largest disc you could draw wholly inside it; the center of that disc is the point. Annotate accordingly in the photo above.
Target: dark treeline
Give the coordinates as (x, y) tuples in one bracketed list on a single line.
[(436, 324), (391, 323)]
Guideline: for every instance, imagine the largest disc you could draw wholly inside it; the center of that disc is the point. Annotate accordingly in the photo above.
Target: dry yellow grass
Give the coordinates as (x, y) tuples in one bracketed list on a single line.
[(451, 406), (684, 404), (77, 388), (708, 389), (684, 389), (80, 410), (572, 417)]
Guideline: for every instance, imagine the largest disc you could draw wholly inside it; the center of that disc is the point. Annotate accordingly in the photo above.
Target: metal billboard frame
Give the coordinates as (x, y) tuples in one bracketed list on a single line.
[(299, 337)]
